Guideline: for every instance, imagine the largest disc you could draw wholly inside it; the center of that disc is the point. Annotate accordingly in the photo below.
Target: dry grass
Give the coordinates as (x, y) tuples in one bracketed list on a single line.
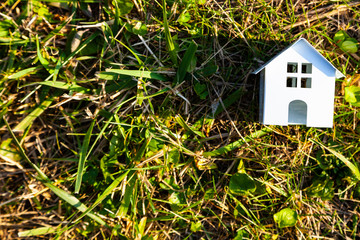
[(235, 36)]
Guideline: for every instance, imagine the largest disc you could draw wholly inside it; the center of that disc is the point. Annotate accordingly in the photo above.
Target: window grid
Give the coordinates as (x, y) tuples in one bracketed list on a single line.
[(299, 72)]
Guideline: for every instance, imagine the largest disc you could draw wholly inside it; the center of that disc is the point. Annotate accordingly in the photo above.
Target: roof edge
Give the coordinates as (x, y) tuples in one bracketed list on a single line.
[(338, 74)]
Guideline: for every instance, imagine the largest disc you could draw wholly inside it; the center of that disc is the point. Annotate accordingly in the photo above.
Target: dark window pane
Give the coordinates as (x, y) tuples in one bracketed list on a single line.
[(306, 82), (292, 67), (306, 68), (291, 82)]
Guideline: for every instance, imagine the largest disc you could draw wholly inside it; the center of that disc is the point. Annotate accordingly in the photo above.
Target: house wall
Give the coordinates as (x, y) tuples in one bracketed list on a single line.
[(261, 95), (277, 96)]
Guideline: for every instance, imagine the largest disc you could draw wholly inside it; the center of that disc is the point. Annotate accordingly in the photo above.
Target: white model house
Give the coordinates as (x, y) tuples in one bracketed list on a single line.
[(297, 87)]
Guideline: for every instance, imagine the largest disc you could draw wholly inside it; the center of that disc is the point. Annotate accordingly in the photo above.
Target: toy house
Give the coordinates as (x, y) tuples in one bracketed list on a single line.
[(297, 86)]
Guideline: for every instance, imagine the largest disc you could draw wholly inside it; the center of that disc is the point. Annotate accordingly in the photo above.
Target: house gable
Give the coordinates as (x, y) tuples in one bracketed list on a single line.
[(307, 51)]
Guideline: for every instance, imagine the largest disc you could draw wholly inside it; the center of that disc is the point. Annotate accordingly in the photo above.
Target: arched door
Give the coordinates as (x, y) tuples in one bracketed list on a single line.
[(297, 112)]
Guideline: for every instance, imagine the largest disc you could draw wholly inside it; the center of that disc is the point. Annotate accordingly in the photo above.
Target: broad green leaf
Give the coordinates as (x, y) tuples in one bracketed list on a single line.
[(201, 90), (154, 147), (124, 6), (177, 201), (195, 226), (184, 17), (173, 156), (352, 95), (139, 29), (352, 40), (205, 163), (41, 10), (322, 188), (37, 231), (287, 217), (82, 157), (346, 43), (340, 36), (185, 63), (170, 184), (201, 2), (208, 70), (192, 65), (349, 46), (241, 184), (239, 234)]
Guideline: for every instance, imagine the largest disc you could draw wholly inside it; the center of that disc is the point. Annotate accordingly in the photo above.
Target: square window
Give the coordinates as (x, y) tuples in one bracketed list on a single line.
[(306, 68), (306, 82), (291, 82), (292, 67)]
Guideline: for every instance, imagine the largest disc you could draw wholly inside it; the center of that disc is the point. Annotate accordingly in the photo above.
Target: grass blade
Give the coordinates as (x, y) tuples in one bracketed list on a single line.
[(262, 132), (29, 119), (232, 98), (73, 201), (107, 191), (346, 161), (42, 176), (83, 157), (138, 73), (67, 60), (107, 124), (24, 72), (42, 60), (61, 85), (185, 63), (57, 29), (125, 203), (37, 231), (70, 199), (162, 91), (182, 123), (169, 40)]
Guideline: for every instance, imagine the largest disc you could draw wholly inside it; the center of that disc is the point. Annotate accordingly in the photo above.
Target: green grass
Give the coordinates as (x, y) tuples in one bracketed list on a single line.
[(138, 120)]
